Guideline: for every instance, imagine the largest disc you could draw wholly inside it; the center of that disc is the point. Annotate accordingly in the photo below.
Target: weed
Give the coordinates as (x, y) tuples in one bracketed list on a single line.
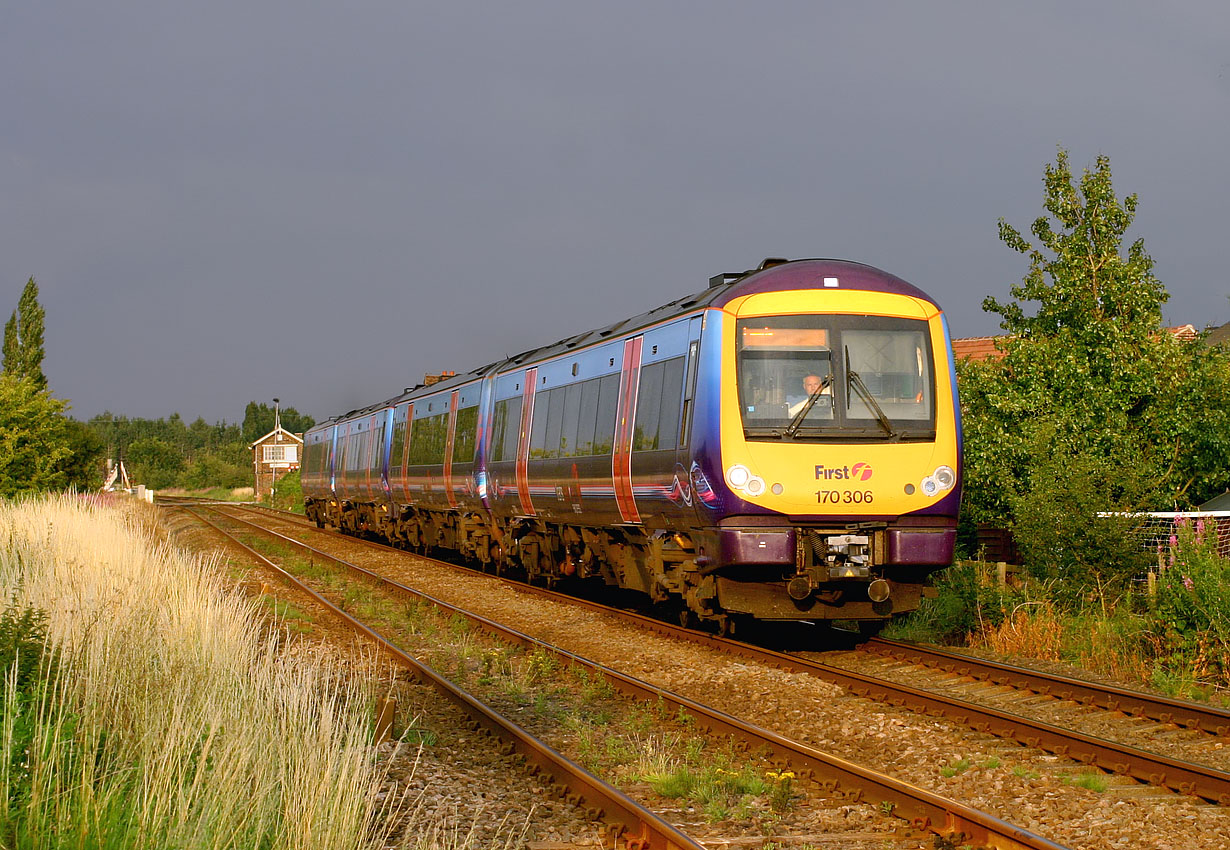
[(955, 767), (781, 790), (716, 810), (417, 736), (593, 687), (1089, 779), (887, 806), (540, 665), (989, 764), (1024, 772), (458, 626)]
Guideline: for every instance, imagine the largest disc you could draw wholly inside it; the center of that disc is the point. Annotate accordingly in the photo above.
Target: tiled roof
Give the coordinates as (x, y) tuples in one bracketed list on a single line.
[(975, 347), (983, 347)]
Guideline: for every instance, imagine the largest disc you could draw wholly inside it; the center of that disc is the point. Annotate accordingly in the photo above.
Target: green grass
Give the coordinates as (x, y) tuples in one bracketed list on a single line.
[(170, 725), (955, 767), (1092, 780)]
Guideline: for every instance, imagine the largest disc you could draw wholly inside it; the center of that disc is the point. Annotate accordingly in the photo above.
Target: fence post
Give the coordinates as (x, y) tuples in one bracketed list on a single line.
[(385, 710)]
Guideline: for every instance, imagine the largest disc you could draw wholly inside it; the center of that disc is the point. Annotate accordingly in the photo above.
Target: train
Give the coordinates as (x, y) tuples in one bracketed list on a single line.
[(784, 445)]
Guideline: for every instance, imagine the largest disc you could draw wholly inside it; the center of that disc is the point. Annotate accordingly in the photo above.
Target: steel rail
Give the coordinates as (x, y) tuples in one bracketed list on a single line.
[(1150, 768), (923, 809), (640, 828), (1215, 721)]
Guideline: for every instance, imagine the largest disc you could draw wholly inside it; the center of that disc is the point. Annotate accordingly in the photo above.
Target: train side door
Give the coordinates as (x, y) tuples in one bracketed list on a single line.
[(625, 419), (683, 446)]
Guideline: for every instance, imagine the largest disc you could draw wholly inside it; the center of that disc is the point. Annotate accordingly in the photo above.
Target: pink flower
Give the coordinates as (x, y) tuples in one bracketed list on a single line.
[(1188, 583)]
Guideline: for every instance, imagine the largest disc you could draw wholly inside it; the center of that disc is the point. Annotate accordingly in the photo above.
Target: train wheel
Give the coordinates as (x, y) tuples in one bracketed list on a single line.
[(688, 618)]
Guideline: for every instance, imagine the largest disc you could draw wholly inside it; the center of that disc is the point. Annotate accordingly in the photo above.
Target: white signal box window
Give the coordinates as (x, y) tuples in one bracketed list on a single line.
[(281, 454)]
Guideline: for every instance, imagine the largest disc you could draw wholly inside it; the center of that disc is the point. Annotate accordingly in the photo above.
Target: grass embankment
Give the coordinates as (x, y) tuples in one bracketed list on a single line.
[(143, 706), (1175, 639)]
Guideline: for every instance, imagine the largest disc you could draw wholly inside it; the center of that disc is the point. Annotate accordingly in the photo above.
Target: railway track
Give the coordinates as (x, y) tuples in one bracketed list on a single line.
[(1184, 777), (1209, 719), (837, 778), (1161, 808), (639, 828)]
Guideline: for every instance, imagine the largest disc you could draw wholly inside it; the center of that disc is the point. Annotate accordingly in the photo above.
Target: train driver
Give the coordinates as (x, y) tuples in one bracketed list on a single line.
[(811, 383)]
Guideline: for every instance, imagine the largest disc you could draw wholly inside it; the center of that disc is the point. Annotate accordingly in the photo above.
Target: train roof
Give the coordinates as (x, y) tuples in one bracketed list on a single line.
[(771, 275)]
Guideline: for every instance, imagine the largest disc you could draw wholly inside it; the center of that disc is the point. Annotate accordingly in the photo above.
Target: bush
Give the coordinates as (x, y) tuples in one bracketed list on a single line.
[(287, 493), (1080, 556), (1191, 610), (209, 470), (968, 601)]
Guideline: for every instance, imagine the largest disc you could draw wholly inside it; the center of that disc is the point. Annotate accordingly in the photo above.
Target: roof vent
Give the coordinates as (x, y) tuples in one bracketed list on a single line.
[(724, 278), (770, 262)]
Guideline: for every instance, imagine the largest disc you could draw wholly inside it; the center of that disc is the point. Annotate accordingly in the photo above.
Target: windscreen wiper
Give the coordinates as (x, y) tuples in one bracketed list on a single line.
[(855, 380), (808, 405)]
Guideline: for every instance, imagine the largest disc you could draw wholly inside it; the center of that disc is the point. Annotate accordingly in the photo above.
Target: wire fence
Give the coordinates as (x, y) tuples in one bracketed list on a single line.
[(1158, 531)]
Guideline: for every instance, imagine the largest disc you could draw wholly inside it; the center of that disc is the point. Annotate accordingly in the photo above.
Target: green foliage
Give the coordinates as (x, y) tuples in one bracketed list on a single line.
[(27, 667), (162, 453), (258, 421), (35, 445), (24, 653), (23, 338), (1057, 527), (83, 469), (1089, 386), (968, 599), (209, 470), (1191, 609), (155, 463), (288, 493)]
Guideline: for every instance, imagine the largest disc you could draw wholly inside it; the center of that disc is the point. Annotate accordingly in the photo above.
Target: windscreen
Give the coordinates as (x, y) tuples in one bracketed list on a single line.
[(825, 376)]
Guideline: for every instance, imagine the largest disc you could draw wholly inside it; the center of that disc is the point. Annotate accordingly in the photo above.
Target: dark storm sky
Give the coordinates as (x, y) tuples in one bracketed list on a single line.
[(234, 201)]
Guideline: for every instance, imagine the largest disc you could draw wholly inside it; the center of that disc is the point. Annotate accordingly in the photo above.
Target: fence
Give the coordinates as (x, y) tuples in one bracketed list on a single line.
[(1158, 531)]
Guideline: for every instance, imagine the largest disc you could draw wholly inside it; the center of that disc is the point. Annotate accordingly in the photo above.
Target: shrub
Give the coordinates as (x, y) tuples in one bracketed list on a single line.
[(1082, 556), (968, 601), (1191, 610)]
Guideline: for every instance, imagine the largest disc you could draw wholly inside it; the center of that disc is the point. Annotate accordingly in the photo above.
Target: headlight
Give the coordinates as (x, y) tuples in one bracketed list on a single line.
[(945, 477), (737, 476)]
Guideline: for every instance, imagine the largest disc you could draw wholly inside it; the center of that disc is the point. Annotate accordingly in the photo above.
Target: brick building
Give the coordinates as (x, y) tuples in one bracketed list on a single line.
[(274, 455)]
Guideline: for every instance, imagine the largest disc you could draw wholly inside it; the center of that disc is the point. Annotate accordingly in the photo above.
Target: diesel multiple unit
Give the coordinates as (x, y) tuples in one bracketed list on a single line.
[(785, 445)]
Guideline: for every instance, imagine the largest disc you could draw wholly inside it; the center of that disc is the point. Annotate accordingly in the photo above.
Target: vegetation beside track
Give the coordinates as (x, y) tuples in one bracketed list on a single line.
[(1175, 640), (1090, 411), (132, 722), (625, 742)]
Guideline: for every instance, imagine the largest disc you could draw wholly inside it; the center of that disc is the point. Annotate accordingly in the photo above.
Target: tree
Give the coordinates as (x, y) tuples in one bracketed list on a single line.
[(23, 338), (35, 446), (154, 462), (83, 469), (1088, 381), (258, 421)]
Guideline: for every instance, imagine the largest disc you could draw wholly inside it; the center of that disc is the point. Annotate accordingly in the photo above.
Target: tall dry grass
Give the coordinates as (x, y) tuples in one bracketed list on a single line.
[(175, 720)]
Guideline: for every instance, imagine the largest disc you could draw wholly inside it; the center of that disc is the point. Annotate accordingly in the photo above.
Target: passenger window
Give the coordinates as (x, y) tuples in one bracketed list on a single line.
[(648, 408), (587, 416), (538, 428), (572, 412), (672, 392), (464, 435), (555, 423), (608, 407)]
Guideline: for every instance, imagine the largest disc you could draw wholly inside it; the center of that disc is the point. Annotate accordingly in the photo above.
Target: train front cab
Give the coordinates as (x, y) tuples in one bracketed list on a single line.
[(844, 499)]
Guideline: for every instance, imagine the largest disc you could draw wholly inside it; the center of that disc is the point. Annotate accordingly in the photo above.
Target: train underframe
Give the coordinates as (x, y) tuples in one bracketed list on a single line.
[(720, 575)]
